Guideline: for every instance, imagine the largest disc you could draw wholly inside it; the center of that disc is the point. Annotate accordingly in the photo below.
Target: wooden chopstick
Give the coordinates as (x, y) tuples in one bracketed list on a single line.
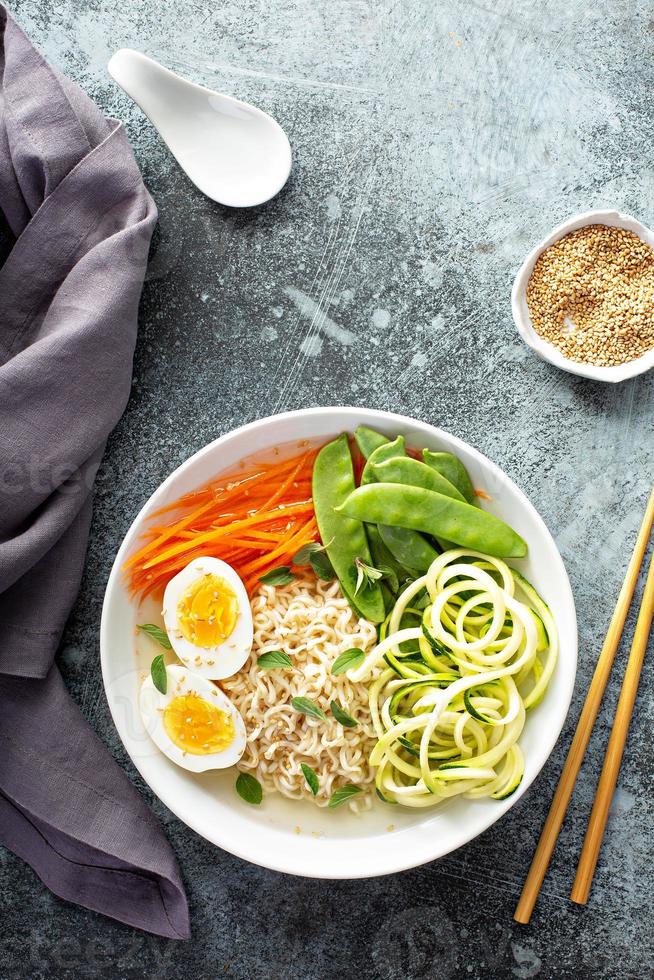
[(615, 748), (541, 859)]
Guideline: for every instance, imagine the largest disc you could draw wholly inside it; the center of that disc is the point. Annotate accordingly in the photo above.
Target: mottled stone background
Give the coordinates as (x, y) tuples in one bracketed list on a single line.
[(434, 143)]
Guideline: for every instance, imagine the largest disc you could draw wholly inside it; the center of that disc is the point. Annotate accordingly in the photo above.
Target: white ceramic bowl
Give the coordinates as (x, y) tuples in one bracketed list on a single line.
[(298, 837), (619, 372)]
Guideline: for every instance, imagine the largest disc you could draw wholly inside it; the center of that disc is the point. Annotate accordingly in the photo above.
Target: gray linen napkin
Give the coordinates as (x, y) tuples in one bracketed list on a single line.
[(73, 199)]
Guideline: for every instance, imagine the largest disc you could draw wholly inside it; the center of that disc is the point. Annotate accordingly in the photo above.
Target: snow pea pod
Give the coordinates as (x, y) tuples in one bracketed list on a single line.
[(386, 451), (452, 469), (408, 547), (345, 539), (368, 440), (396, 577), (383, 558), (415, 474), (434, 513)]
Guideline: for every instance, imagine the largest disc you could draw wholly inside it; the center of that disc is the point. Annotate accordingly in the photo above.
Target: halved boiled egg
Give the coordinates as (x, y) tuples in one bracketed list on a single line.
[(208, 618), (194, 723)]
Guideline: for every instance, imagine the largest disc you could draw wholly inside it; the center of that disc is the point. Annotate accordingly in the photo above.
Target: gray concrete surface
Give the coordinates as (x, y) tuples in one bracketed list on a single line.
[(434, 144)]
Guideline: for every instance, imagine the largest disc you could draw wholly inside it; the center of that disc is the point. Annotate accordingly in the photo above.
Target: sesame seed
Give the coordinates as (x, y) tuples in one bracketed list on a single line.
[(591, 295)]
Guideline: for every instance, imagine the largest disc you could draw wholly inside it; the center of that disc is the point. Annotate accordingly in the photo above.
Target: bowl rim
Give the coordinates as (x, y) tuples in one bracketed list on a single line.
[(613, 374), (411, 856)]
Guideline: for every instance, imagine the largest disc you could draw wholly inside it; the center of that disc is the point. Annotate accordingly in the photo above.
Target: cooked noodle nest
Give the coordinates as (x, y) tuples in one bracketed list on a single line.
[(313, 623)]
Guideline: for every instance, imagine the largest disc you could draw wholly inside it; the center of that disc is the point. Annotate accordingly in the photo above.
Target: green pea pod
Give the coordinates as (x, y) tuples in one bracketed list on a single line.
[(408, 547), (414, 474), (388, 596), (434, 513), (382, 557), (386, 451), (452, 469), (368, 440), (333, 481)]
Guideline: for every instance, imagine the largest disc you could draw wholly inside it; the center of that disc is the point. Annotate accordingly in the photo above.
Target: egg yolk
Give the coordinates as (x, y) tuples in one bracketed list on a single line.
[(196, 726), (207, 611)]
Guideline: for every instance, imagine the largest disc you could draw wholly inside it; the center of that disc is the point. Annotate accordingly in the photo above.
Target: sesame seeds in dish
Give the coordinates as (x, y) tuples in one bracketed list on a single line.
[(591, 295)]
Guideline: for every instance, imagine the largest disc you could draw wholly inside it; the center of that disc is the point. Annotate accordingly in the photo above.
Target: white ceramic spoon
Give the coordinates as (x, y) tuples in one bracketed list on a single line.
[(236, 154)]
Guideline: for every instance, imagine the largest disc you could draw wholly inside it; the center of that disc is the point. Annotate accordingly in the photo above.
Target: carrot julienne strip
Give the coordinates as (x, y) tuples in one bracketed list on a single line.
[(164, 535), (222, 532), (283, 548), (253, 519)]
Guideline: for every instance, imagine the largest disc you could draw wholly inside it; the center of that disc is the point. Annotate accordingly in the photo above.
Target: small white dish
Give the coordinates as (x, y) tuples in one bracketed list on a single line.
[(618, 372), (233, 152), (295, 836)]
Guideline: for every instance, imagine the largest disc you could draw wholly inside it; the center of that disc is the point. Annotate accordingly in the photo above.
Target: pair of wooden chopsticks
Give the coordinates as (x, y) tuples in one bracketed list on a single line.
[(617, 740)]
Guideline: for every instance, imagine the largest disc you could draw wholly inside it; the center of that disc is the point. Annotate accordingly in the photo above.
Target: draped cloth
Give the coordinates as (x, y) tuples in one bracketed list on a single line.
[(80, 219)]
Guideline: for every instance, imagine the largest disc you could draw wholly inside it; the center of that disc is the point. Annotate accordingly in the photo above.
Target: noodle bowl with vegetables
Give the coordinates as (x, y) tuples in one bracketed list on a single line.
[(342, 624)]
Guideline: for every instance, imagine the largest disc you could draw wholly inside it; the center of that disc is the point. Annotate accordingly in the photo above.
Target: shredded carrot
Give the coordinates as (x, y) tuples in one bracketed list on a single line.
[(254, 519), (291, 542), (224, 532)]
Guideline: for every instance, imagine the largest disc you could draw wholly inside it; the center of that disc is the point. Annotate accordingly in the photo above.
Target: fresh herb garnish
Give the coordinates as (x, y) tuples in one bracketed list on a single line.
[(158, 674), (342, 716), (303, 556), (278, 576), (274, 659), (343, 794), (313, 554), (348, 660), (322, 567), (157, 634), (311, 778), (308, 707), (367, 575), (249, 789)]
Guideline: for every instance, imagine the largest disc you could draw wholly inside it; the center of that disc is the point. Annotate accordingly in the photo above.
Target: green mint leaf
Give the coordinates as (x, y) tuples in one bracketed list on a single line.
[(303, 556), (313, 554), (343, 794), (348, 659), (158, 674), (367, 575), (157, 634), (322, 566), (342, 716), (273, 660), (249, 788), (308, 707), (278, 576), (311, 778)]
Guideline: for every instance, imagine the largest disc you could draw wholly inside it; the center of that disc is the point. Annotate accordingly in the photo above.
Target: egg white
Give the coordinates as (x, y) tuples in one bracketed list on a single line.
[(182, 681), (225, 658)]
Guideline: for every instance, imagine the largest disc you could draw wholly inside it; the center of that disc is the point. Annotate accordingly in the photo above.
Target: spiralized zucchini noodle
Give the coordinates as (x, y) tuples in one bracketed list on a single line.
[(468, 649), (313, 622)]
